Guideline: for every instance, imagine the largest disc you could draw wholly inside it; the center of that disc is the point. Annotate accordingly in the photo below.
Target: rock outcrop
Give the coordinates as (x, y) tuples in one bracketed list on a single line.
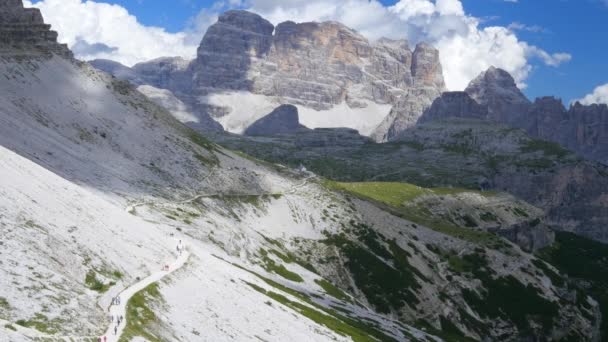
[(496, 89), (581, 128), (456, 104), (316, 66), (428, 84), (229, 50), (165, 73), (283, 120), (23, 30)]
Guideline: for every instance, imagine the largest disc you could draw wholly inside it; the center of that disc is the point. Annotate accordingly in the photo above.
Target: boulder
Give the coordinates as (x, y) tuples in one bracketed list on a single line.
[(283, 120)]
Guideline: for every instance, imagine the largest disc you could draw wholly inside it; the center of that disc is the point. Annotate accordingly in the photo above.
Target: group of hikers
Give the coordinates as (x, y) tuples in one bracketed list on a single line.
[(116, 300), (112, 318), (118, 322)]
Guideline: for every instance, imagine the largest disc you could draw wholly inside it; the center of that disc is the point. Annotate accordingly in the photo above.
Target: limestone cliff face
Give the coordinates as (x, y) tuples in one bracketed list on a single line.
[(23, 30), (229, 50), (313, 65), (427, 84), (581, 128), (317, 65)]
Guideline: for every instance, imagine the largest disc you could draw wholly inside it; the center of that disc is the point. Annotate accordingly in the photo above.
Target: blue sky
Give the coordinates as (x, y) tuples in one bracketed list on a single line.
[(576, 27)]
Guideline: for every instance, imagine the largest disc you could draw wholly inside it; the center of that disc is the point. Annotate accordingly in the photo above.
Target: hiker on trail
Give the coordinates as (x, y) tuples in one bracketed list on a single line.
[(115, 330)]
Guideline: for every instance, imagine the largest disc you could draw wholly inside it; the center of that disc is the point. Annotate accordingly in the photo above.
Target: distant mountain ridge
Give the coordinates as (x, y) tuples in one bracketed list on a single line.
[(494, 96)]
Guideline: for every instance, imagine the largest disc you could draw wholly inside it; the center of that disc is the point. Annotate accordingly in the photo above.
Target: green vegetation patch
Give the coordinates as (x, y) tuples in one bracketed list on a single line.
[(488, 217), (271, 266), (549, 149), (507, 298), (448, 331), (394, 194), (582, 259), (140, 317), (4, 305), (92, 282), (396, 198), (342, 325), (42, 323), (386, 287), (333, 291)]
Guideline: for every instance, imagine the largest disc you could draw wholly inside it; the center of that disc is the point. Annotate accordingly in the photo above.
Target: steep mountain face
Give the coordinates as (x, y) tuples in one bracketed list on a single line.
[(496, 89), (455, 105), (335, 76), (581, 128), (24, 29)]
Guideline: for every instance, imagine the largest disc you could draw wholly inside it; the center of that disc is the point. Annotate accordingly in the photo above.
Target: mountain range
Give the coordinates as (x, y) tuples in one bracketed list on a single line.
[(243, 196)]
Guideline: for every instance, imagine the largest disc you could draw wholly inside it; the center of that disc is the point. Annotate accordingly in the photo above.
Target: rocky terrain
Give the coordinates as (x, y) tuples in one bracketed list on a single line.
[(474, 154), (583, 129), (100, 184), (24, 29), (335, 76)]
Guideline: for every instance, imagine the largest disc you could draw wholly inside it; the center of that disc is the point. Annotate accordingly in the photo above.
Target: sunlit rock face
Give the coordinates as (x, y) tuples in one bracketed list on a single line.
[(24, 29)]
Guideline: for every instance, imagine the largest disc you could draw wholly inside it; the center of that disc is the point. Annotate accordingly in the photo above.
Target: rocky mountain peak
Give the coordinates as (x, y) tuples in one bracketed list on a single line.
[(246, 21), (24, 29), (497, 89)]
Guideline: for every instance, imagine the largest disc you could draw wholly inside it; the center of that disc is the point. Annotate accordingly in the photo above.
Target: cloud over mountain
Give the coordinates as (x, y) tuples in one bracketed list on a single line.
[(467, 46)]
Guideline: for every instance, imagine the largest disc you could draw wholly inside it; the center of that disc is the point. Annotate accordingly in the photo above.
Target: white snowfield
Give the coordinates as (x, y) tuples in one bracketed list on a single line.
[(245, 108), (76, 149)]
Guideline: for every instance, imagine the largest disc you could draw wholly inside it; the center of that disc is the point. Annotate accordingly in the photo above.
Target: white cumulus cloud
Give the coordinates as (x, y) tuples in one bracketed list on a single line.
[(599, 95), (97, 24), (467, 47)]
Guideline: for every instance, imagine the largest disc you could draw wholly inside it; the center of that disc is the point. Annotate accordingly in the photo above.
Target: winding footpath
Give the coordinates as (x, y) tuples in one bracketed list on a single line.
[(125, 295)]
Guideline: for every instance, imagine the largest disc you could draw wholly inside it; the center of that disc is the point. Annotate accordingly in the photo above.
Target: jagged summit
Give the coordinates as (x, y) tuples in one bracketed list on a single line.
[(24, 29), (497, 89)]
